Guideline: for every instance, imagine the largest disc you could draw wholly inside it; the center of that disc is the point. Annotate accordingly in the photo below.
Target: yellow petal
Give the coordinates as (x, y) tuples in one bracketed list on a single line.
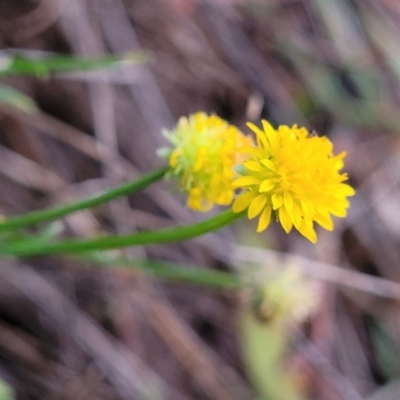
[(296, 215), (323, 218), (268, 163), (346, 190), (253, 166), (225, 198), (265, 219), (254, 128), (245, 181), (308, 231), (338, 209), (277, 201), (271, 134), (259, 133), (287, 201), (285, 220), (267, 126), (256, 206), (196, 203), (307, 209), (242, 201), (266, 186)]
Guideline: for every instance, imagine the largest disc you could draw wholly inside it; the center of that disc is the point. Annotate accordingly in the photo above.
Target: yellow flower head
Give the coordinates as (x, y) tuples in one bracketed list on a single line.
[(295, 177), (205, 151)]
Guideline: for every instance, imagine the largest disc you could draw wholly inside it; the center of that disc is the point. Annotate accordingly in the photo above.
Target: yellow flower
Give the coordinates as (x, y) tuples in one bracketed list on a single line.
[(205, 151), (295, 177)]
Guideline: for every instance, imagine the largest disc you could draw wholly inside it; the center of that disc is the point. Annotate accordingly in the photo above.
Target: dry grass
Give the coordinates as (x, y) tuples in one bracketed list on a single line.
[(73, 331)]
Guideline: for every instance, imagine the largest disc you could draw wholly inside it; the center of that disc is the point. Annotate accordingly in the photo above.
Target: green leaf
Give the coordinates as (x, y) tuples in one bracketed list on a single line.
[(6, 392), (264, 344), (386, 348)]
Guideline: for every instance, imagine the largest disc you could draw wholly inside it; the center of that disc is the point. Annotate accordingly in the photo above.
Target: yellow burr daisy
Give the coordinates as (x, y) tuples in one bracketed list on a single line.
[(205, 150), (293, 176)]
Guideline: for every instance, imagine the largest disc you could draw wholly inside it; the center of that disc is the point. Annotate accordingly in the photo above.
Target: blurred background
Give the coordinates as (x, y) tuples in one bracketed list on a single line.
[(73, 330)]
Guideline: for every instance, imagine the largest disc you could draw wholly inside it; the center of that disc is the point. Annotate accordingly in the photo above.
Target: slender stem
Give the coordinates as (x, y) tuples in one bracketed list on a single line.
[(179, 233), (53, 213), (186, 274), (170, 271)]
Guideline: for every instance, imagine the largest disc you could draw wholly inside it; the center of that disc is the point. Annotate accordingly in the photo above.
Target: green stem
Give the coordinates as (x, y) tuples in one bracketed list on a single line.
[(53, 213), (211, 278), (112, 242), (169, 271)]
